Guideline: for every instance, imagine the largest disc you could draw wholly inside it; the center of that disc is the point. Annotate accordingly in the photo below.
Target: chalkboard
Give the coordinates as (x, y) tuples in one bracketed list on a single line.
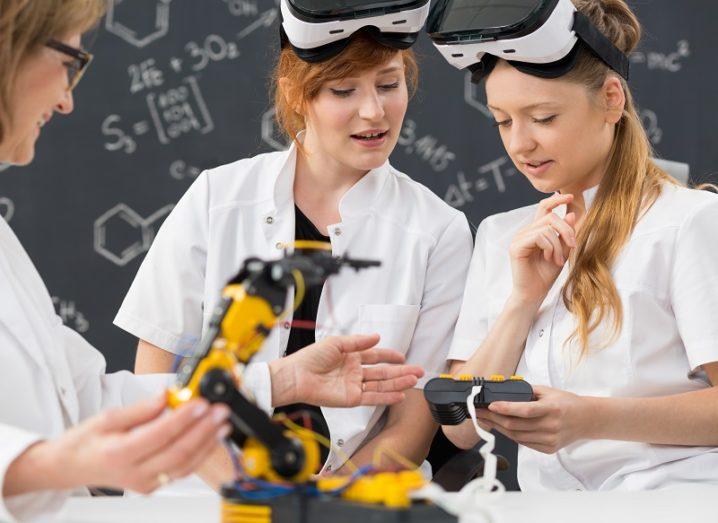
[(181, 85)]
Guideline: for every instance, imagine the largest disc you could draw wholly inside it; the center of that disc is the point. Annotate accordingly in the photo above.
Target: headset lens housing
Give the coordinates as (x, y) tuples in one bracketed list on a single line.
[(351, 8), (479, 19)]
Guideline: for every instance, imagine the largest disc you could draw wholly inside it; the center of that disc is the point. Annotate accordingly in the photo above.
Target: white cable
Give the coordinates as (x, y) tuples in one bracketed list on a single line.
[(471, 502)]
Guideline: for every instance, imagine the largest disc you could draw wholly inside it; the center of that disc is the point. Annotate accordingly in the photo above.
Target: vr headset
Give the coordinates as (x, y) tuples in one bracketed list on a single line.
[(320, 29), (538, 37)]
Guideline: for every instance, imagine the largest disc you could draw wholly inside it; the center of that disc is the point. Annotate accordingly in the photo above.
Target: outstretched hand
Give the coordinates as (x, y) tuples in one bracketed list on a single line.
[(333, 373)]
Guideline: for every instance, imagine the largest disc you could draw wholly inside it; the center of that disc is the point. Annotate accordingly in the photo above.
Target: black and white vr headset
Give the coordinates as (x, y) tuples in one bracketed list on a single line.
[(320, 29), (538, 37)]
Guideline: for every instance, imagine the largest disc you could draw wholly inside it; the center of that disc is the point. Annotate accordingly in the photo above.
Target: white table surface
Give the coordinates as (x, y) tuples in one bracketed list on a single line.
[(685, 505)]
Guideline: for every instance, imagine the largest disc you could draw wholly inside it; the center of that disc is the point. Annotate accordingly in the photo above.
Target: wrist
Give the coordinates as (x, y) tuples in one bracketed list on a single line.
[(524, 304), (40, 467), (284, 382), (597, 414)]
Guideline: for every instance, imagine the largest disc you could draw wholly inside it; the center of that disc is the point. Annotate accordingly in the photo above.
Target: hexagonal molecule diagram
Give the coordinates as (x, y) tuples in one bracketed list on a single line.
[(7, 208), (138, 22), (121, 234), (270, 134), (474, 96)]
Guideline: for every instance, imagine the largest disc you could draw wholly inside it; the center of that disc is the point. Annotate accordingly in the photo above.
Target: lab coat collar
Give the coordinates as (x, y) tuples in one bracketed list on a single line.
[(589, 196), (358, 200)]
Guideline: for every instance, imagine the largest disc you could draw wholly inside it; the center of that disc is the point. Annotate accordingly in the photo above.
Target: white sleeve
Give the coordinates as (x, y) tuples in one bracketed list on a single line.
[(26, 506), (473, 323), (441, 300), (97, 391), (694, 284), (164, 303), (257, 384)]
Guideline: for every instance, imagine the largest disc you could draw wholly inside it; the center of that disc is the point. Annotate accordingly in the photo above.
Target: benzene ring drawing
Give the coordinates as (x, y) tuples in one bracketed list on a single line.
[(122, 13)]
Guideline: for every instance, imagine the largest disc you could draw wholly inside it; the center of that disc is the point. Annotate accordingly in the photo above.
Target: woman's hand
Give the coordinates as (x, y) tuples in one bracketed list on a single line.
[(556, 419), (332, 373), (539, 251), (139, 448)]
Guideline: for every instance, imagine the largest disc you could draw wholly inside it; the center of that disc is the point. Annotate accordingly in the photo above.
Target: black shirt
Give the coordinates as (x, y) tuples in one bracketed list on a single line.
[(302, 337)]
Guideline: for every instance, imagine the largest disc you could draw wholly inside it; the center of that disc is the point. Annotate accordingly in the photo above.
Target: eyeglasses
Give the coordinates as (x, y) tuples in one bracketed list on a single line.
[(75, 68)]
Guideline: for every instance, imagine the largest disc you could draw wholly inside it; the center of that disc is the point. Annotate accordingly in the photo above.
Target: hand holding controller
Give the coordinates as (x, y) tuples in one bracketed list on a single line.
[(447, 394)]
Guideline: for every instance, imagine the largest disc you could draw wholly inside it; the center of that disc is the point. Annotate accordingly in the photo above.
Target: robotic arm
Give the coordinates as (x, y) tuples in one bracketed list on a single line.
[(252, 303)]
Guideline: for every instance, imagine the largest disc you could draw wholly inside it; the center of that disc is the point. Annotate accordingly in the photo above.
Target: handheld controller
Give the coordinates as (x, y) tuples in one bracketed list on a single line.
[(447, 394)]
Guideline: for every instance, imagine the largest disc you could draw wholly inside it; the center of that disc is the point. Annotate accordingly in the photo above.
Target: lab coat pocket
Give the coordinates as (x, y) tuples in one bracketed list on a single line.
[(394, 323)]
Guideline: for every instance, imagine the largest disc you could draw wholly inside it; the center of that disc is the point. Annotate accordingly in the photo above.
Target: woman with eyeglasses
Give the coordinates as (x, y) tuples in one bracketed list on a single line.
[(56, 435)]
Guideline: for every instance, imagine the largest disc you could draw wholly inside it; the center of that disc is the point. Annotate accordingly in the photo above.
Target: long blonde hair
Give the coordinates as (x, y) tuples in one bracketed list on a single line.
[(25, 26), (631, 184)]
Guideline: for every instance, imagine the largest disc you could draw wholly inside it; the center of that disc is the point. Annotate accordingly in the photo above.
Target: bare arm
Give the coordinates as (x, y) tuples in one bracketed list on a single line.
[(408, 432), (690, 418), (558, 418), (499, 353), (150, 359)]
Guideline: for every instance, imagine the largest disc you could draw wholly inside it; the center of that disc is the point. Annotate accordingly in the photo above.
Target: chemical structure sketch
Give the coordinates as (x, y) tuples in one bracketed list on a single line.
[(650, 123), (73, 318), (121, 234), (670, 62), (7, 208), (269, 132), (121, 10), (464, 190), (473, 97)]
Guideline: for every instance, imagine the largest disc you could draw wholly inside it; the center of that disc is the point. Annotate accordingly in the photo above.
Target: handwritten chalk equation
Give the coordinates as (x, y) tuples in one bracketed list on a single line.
[(242, 7), (70, 315), (489, 175), (650, 124), (173, 113), (121, 234), (670, 62), (426, 147), (180, 170)]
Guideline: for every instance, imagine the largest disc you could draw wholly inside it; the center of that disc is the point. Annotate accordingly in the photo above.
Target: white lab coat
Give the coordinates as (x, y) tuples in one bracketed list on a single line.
[(667, 278), (246, 209), (50, 377)]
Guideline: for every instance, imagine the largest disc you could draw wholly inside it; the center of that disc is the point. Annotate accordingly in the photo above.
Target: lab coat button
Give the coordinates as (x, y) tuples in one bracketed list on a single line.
[(329, 468), (287, 325), (269, 220), (279, 245), (340, 443), (337, 232), (63, 391), (541, 333)]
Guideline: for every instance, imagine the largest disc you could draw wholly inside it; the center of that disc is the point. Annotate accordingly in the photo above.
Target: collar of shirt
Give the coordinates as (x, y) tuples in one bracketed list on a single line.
[(356, 201), (589, 195)]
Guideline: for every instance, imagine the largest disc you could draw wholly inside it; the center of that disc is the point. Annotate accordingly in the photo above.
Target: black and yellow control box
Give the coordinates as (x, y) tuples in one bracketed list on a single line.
[(447, 394)]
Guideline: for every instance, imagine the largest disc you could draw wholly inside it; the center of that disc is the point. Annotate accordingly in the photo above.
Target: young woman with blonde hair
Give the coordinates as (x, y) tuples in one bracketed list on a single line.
[(55, 438), (603, 295)]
